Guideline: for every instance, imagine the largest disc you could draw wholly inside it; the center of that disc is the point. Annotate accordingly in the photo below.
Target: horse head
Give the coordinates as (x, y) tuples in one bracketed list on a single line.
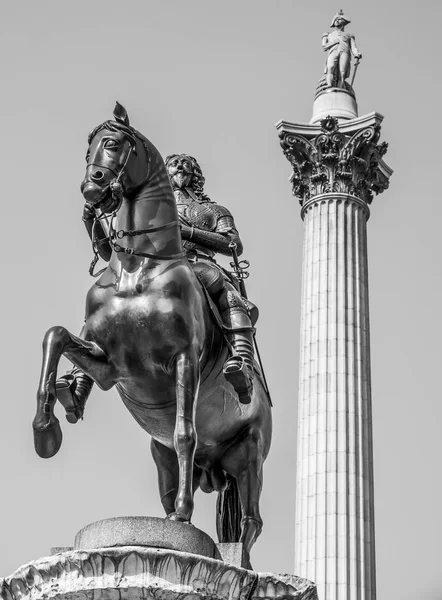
[(116, 153)]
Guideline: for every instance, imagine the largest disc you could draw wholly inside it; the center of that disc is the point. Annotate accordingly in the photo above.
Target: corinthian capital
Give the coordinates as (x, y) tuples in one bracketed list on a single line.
[(333, 157)]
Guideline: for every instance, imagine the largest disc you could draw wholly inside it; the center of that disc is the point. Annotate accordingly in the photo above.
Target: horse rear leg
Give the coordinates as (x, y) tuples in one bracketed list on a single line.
[(245, 463), (85, 355), (184, 439), (250, 486)]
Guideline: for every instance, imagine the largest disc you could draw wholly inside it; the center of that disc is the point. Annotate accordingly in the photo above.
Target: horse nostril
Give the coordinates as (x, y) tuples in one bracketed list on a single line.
[(97, 175)]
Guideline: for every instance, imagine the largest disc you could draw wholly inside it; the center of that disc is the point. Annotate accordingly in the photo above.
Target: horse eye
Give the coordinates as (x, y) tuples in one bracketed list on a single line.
[(111, 144)]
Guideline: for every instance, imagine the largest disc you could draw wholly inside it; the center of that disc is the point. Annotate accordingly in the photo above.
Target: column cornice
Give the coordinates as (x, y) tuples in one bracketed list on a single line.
[(335, 197)]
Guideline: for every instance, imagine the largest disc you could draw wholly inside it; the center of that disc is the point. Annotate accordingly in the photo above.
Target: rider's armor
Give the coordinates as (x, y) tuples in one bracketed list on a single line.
[(212, 230), (208, 217)]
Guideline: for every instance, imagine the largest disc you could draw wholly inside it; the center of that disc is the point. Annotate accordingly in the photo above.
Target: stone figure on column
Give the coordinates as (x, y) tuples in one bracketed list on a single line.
[(340, 46)]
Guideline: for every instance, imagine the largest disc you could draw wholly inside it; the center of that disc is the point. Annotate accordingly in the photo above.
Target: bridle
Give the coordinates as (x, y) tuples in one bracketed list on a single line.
[(123, 168), (118, 235)]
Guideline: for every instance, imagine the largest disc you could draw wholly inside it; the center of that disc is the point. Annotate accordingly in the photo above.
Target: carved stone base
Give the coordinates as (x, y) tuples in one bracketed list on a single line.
[(146, 558), (139, 573), (334, 102)]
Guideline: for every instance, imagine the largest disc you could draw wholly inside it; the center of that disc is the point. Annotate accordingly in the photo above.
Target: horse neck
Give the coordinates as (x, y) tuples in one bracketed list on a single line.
[(152, 205)]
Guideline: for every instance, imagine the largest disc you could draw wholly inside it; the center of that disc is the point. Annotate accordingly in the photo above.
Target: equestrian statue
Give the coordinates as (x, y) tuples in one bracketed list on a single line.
[(169, 328)]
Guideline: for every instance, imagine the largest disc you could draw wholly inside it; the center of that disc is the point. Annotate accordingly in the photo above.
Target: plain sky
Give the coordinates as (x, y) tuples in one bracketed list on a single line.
[(211, 79)]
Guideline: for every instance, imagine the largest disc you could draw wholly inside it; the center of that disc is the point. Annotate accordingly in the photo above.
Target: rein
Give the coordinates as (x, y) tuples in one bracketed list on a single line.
[(114, 235)]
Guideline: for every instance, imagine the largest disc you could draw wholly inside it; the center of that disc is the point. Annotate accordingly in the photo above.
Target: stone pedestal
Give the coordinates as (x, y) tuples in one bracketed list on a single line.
[(334, 102), (121, 571), (146, 531), (337, 166)]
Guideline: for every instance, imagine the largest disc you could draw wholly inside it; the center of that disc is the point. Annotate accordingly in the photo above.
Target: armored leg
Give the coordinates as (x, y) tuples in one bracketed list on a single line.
[(73, 390), (238, 368)]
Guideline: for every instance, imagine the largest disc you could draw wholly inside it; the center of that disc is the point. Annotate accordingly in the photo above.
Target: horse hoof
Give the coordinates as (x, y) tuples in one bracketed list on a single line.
[(48, 440), (175, 516)]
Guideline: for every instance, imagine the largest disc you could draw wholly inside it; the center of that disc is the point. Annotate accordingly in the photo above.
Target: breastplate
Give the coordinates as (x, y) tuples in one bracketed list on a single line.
[(199, 215)]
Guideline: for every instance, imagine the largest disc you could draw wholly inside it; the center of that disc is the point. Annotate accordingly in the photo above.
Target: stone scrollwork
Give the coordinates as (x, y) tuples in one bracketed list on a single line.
[(333, 161)]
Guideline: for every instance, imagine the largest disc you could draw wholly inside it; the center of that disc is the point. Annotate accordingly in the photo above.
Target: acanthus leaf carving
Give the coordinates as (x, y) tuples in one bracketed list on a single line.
[(333, 161), (140, 572)]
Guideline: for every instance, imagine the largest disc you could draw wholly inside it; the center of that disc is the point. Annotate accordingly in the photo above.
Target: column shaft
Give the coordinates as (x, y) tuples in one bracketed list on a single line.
[(334, 507)]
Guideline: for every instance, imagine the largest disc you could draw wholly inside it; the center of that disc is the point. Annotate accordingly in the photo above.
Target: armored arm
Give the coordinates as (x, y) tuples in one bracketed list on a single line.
[(218, 240), (220, 234)]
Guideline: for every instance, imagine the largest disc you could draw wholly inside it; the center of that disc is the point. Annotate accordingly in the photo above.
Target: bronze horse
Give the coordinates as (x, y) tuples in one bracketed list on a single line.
[(150, 332)]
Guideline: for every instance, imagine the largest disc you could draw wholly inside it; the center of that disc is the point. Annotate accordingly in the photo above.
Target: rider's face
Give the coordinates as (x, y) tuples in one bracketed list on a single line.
[(180, 172)]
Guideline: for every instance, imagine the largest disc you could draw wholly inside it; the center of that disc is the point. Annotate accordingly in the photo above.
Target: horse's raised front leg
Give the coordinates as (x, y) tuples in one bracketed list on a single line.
[(187, 382), (85, 355)]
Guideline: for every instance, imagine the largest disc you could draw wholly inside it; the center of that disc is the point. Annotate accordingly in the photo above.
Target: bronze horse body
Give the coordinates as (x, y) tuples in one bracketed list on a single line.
[(149, 331)]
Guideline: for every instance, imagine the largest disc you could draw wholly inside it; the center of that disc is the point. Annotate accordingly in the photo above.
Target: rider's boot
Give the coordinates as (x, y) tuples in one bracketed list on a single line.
[(73, 390), (238, 368)]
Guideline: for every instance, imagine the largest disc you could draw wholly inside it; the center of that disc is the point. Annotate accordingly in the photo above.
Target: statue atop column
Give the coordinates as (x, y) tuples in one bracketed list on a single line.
[(340, 46), (335, 96)]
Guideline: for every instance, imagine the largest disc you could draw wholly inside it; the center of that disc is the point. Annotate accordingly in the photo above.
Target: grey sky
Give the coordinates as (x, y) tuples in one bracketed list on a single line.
[(211, 79)]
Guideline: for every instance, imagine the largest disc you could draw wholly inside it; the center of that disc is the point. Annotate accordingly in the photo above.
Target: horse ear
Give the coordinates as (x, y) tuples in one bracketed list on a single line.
[(120, 114)]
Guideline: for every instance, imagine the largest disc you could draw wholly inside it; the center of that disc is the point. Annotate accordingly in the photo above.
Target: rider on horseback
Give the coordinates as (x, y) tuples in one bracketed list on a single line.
[(207, 228)]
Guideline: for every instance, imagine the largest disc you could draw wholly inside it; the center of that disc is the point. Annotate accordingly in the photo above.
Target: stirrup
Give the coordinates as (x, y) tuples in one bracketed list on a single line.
[(236, 372), (65, 388)]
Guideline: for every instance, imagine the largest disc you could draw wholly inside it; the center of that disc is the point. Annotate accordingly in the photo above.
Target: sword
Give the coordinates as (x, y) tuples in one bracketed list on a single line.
[(239, 268), (357, 61), (241, 274)]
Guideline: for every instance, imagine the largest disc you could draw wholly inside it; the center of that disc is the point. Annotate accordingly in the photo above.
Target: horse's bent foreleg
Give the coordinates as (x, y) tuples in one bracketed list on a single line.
[(85, 355), (187, 382), (73, 390)]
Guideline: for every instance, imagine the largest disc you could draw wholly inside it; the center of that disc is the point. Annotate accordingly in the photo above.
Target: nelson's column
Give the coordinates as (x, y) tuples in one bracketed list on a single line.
[(337, 168)]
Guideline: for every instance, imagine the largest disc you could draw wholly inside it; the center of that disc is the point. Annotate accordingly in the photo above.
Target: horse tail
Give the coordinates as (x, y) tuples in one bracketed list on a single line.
[(228, 512)]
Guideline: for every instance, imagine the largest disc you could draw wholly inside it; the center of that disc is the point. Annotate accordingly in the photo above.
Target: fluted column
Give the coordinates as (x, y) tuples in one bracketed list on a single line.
[(336, 169), (334, 520)]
